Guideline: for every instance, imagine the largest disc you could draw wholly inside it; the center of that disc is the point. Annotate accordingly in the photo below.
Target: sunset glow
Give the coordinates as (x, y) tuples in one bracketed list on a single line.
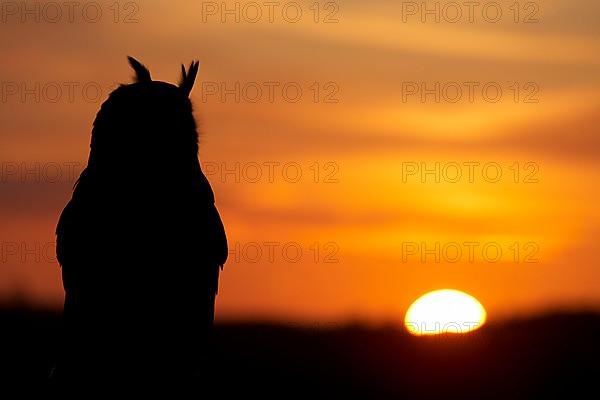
[(346, 203)]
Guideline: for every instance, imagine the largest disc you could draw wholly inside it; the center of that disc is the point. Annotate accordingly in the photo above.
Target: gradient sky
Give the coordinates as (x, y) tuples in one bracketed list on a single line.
[(365, 210)]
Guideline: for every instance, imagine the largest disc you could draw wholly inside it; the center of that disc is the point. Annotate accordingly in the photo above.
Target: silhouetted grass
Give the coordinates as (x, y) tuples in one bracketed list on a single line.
[(551, 356)]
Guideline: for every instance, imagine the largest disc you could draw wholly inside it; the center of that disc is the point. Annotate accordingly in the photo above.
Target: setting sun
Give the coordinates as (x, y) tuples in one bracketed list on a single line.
[(444, 311)]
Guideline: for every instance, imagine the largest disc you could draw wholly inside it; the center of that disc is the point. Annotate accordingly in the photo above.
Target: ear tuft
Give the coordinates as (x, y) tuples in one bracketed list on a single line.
[(188, 78), (142, 73)]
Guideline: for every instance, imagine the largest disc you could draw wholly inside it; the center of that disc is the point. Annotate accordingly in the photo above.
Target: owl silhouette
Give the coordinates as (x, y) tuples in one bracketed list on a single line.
[(141, 242)]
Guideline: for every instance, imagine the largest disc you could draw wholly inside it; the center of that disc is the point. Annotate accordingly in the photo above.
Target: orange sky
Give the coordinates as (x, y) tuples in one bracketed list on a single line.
[(360, 210)]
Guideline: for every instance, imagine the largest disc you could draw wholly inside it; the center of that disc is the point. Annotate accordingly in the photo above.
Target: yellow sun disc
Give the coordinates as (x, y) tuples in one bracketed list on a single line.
[(444, 311)]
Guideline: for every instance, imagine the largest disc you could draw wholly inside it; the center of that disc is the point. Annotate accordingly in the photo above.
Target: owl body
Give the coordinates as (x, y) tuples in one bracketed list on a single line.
[(141, 241)]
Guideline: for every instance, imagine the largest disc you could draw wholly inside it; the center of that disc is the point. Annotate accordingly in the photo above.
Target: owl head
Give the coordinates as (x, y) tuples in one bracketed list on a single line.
[(146, 126)]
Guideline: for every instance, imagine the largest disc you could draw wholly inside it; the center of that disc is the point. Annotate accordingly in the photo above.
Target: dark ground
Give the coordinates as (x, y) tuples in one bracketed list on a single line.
[(554, 356)]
